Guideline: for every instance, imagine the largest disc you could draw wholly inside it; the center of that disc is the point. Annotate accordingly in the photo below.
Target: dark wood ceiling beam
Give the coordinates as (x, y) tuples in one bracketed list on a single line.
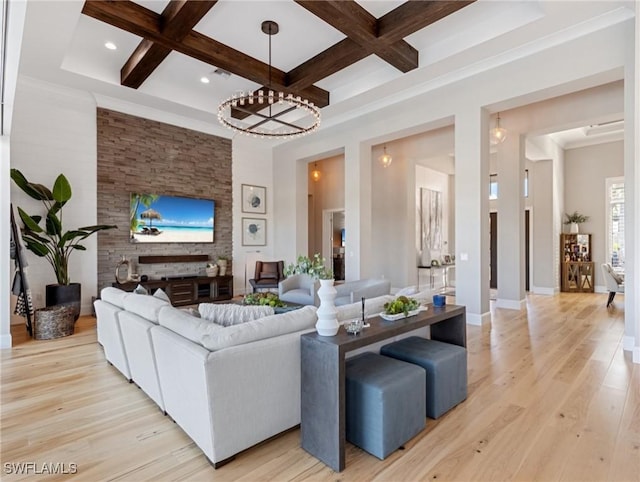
[(326, 63), (145, 23), (177, 20), (415, 15), (362, 27)]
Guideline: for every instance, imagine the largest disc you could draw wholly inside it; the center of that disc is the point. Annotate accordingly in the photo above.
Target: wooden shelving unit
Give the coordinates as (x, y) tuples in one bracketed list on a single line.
[(576, 267)]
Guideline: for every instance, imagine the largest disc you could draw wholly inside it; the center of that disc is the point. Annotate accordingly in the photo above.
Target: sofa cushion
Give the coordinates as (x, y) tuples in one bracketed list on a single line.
[(190, 327), (230, 314), (145, 306), (114, 296), (262, 328)]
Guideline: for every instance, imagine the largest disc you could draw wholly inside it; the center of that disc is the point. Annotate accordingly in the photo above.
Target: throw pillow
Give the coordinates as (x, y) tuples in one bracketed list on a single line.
[(141, 290), (230, 314), (616, 277), (162, 295)]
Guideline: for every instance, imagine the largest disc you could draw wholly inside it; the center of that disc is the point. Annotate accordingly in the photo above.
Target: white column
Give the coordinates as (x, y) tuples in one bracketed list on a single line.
[(510, 258), (631, 341), (357, 200), (6, 265), (472, 213)]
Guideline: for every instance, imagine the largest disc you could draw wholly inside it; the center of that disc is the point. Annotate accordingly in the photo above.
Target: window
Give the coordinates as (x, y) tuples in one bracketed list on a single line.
[(493, 187), (615, 221), (526, 183)]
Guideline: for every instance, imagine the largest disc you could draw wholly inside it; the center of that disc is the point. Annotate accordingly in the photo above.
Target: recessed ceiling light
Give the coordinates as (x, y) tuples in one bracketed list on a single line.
[(110, 45), (204, 80)]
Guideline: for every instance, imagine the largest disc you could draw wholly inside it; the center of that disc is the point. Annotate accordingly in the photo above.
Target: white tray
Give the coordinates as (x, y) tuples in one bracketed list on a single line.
[(399, 316)]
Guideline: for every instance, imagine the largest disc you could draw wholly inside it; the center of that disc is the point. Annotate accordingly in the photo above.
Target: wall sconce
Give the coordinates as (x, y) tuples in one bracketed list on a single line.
[(498, 134), (385, 159), (315, 174)]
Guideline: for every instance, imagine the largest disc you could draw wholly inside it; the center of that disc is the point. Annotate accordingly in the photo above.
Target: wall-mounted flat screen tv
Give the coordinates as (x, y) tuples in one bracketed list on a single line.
[(157, 218)]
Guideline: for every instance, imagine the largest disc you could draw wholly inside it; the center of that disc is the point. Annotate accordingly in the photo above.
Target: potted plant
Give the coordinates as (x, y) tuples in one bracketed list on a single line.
[(314, 267), (51, 241), (574, 219)]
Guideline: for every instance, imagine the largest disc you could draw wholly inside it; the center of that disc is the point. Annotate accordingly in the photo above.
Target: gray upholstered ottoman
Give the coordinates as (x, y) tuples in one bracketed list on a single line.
[(446, 367), (385, 403)]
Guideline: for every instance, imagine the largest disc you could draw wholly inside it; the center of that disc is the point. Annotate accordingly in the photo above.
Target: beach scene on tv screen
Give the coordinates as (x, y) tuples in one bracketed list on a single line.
[(171, 219)]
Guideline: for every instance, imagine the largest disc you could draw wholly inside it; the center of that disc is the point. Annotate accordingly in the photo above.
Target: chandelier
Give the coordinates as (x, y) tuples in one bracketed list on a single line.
[(498, 134), (385, 159), (284, 115)]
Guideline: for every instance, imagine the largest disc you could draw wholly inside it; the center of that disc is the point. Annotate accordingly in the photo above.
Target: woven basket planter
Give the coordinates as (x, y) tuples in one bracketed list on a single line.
[(54, 322)]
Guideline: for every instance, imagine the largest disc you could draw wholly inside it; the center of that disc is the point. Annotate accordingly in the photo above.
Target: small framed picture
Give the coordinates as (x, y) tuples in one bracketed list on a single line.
[(254, 232), (254, 199)]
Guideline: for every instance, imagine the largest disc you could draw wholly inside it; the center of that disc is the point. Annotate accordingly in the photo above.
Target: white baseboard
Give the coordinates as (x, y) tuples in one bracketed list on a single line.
[(5, 341), (628, 343), (478, 319), (511, 304), (541, 290)]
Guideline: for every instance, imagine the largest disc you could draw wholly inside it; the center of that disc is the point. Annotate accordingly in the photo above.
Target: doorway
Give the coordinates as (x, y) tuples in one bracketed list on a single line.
[(333, 241)]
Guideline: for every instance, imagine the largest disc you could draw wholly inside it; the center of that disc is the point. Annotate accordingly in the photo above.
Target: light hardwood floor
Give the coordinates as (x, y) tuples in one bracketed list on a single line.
[(552, 397)]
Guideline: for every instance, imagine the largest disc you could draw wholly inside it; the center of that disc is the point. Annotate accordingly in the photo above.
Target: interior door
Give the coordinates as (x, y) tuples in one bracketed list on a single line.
[(493, 249)]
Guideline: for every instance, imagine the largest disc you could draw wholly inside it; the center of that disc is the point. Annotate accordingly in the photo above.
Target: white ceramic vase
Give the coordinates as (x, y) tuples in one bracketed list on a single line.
[(327, 324), (573, 228)]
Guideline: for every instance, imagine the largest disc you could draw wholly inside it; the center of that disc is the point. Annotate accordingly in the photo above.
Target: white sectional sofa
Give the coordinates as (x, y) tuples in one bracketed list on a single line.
[(228, 388)]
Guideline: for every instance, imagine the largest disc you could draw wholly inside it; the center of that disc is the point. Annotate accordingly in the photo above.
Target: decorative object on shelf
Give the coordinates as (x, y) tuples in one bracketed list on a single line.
[(385, 159), (254, 199), (439, 300), (316, 174), (498, 134), (212, 270), (51, 242), (266, 108), (263, 298), (401, 307), (574, 220), (354, 327), (254, 232), (222, 265), (314, 267), (123, 271), (327, 324)]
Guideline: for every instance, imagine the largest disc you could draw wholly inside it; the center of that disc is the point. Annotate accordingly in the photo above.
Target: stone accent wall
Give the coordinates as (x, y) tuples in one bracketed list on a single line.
[(141, 155)]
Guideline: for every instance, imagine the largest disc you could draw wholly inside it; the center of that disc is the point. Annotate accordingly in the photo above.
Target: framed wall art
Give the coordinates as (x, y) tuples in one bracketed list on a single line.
[(254, 199), (254, 232)]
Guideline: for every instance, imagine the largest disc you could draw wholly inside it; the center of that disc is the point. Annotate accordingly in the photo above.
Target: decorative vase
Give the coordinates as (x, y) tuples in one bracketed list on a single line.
[(573, 228), (222, 264), (212, 271), (327, 324)]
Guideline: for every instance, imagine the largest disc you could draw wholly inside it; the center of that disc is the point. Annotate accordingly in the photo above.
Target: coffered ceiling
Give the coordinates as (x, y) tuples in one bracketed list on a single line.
[(345, 56)]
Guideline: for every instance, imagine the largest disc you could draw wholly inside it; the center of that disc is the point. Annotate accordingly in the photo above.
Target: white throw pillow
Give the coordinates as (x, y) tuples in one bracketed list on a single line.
[(140, 290), (162, 295), (230, 314)]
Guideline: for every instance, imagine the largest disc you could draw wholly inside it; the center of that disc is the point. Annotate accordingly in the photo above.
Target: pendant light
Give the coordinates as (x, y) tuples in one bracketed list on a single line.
[(385, 159), (315, 174), (498, 134)]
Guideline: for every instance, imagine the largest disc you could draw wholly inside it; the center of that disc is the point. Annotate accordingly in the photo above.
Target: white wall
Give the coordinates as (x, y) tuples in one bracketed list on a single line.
[(585, 170), (54, 132)]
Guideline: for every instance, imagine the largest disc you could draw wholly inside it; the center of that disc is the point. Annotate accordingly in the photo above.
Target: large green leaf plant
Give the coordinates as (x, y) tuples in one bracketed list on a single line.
[(50, 241)]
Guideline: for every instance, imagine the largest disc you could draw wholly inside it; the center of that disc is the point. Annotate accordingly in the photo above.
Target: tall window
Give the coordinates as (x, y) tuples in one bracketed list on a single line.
[(615, 221)]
